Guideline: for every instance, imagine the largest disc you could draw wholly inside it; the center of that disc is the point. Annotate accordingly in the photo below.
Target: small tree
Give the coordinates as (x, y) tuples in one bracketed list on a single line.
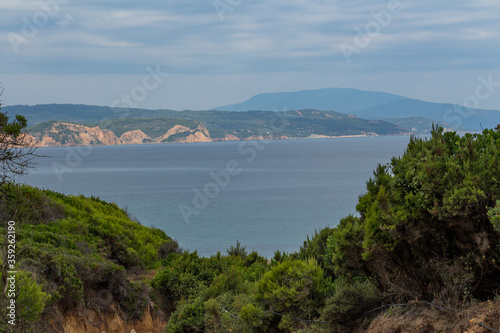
[(17, 149)]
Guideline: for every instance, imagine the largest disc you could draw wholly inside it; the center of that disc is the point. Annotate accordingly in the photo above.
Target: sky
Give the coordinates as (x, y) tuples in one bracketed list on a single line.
[(184, 54)]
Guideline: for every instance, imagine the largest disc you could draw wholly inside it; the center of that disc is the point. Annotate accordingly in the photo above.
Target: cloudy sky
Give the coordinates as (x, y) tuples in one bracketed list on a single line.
[(186, 54)]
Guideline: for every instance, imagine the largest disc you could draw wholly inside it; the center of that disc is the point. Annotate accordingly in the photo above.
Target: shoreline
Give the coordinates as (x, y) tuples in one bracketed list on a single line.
[(312, 137)]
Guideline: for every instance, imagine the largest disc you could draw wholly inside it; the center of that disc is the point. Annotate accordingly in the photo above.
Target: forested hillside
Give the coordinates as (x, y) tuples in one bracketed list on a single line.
[(200, 126)]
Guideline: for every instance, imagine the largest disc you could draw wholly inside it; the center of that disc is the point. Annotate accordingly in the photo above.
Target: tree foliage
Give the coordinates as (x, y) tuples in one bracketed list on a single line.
[(424, 230), (17, 150), (295, 288)]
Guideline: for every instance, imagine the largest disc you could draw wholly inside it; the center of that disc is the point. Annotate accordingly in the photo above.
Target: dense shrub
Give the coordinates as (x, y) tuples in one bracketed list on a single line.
[(351, 299), (26, 204), (316, 247), (30, 303), (237, 250), (135, 299), (494, 216), (230, 280), (345, 247), (79, 250), (294, 288), (255, 318), (424, 218), (188, 317), (183, 277), (168, 248)]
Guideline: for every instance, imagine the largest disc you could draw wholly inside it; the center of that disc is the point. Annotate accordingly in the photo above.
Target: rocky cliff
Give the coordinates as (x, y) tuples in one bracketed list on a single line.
[(57, 134), (89, 320), (69, 134)]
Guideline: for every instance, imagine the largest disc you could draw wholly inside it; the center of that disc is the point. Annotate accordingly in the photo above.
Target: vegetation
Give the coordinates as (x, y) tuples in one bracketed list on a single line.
[(16, 149), (428, 229), (82, 114), (424, 230), (76, 251), (155, 123)]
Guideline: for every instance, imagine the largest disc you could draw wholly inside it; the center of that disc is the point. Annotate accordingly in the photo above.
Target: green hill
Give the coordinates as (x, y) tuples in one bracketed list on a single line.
[(244, 125), (71, 250), (77, 113)]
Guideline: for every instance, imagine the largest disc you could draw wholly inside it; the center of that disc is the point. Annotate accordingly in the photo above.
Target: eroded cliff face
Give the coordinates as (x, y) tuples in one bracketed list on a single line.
[(174, 130), (67, 134), (88, 320), (134, 137), (425, 319)]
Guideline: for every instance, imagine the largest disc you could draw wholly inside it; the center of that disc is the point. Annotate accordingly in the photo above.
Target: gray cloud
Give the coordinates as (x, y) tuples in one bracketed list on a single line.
[(273, 40)]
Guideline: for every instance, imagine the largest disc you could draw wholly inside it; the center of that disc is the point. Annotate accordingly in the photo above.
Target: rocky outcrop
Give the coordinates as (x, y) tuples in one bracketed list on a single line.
[(230, 137), (196, 137), (199, 134), (173, 131), (68, 134), (88, 320), (134, 137)]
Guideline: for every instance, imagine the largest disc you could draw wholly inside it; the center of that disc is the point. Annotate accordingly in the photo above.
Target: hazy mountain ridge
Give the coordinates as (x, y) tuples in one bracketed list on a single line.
[(373, 105), (393, 115), (329, 99), (453, 114), (421, 125)]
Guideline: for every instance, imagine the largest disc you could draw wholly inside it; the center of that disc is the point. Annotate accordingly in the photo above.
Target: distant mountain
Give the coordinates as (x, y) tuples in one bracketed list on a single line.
[(373, 105), (330, 99), (455, 115), (420, 125)]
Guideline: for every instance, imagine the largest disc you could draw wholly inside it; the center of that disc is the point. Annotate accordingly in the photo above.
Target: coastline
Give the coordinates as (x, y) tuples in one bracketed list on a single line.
[(213, 140)]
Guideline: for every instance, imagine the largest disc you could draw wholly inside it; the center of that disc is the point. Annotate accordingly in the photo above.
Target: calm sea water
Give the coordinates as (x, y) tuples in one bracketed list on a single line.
[(269, 195)]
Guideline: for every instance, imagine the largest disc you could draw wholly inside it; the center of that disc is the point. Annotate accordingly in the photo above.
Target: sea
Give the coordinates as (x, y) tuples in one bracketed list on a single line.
[(268, 195)]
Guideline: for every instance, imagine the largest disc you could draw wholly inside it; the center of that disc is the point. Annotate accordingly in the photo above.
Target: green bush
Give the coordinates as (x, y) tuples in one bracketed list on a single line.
[(30, 302), (423, 217), (316, 247), (188, 317), (79, 249), (494, 216), (188, 274), (345, 247), (251, 258), (237, 250), (26, 204), (136, 299), (293, 288), (31, 299), (351, 298), (255, 317), (168, 248), (230, 280)]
